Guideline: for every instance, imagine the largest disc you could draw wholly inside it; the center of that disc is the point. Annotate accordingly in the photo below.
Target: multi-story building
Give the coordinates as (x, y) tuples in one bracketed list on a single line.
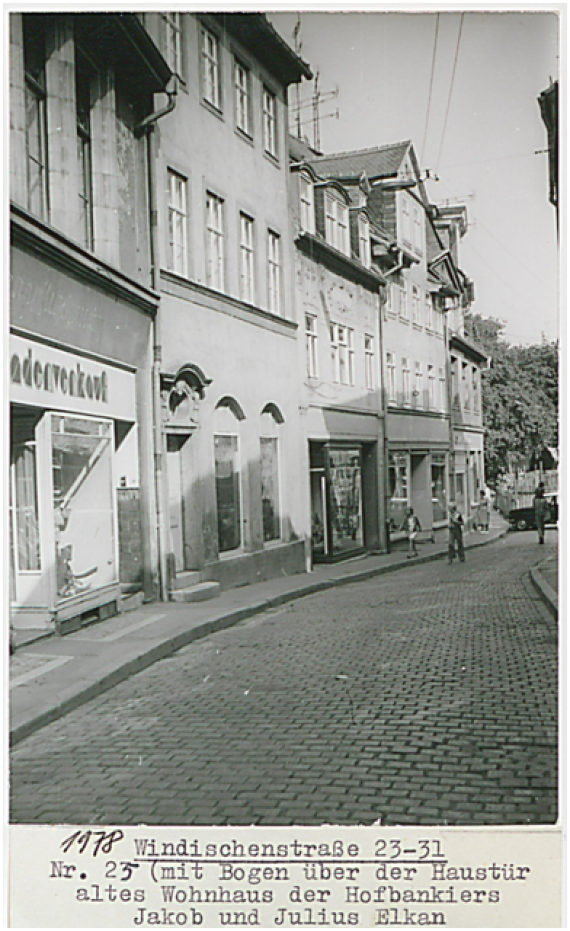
[(414, 357), (82, 315), (465, 362), (230, 508), (342, 419)]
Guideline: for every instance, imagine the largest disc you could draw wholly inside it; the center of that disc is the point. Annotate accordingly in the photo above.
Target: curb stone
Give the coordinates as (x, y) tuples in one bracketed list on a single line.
[(545, 590)]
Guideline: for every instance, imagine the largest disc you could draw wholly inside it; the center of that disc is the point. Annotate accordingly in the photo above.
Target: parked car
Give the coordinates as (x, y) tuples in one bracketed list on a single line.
[(523, 518)]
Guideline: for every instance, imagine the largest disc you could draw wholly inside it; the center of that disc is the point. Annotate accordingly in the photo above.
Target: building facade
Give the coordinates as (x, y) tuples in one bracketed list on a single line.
[(82, 315), (414, 357), (342, 419), (228, 332)]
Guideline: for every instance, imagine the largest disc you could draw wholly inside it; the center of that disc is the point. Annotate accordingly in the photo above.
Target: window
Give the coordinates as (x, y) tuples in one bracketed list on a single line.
[(405, 381), (215, 241), (84, 75), (419, 386), (270, 487), (242, 98), (429, 311), (36, 118), (476, 389), (431, 387), (82, 473), (416, 308), (465, 386), (391, 377), (406, 234), (307, 206), (273, 272), (404, 300), (211, 68), (455, 383), (364, 241), (442, 389), (228, 504), (398, 488), (177, 224), (311, 345), (369, 361), (336, 223), (247, 267), (342, 352), (172, 40), (270, 122), (25, 495), (438, 498), (418, 237)]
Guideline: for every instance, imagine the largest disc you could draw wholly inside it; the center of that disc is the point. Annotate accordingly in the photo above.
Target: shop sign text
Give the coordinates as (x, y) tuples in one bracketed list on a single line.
[(49, 376)]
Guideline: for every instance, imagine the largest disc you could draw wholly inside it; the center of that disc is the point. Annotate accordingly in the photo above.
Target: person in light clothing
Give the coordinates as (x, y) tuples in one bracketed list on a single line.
[(411, 525), (484, 512)]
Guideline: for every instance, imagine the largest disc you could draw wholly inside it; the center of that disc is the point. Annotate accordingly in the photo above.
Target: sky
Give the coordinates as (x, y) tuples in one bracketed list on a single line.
[(481, 141)]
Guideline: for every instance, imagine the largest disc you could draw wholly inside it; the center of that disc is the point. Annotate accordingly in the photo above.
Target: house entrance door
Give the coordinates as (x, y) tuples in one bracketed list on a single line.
[(175, 506)]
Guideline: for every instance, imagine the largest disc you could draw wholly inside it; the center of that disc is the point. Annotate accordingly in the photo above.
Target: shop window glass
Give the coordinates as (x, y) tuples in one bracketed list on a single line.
[(438, 499), (398, 479), (270, 488), (83, 504), (227, 492), (26, 507), (345, 499)]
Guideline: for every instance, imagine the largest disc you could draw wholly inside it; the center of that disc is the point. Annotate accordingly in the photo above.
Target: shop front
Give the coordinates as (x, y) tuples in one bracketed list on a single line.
[(417, 479), (69, 414)]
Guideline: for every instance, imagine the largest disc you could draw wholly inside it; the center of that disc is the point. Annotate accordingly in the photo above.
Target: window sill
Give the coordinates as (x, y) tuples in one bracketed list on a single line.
[(274, 159), (418, 326), (245, 137), (213, 109)]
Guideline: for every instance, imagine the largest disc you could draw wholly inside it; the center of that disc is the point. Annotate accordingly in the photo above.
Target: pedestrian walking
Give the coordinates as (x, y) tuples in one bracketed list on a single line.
[(411, 525), (455, 534), (484, 512), (540, 511)]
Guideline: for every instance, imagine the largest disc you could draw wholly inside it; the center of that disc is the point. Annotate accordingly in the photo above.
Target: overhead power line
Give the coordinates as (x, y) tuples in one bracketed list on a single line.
[(430, 84), (450, 89)]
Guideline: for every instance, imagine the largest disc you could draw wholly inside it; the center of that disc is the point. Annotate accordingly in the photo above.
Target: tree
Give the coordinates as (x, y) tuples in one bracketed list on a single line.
[(520, 396)]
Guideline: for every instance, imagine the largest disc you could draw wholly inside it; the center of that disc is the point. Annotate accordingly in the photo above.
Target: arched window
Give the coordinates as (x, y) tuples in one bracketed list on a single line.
[(306, 203), (227, 469)]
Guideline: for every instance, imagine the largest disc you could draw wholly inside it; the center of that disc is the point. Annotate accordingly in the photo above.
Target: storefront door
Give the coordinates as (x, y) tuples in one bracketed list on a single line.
[(175, 522)]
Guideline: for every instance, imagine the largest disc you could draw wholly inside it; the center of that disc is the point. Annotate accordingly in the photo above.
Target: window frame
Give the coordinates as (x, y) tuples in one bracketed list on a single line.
[(209, 62), (418, 384), (215, 235), (247, 258), (391, 387), (311, 345), (406, 388), (274, 273), (403, 304), (35, 90), (306, 205), (179, 212), (242, 94), (85, 72), (269, 122), (218, 434), (273, 438), (369, 356), (342, 353), (442, 388), (416, 306), (172, 26), (364, 251), (431, 387), (337, 233), (429, 311)]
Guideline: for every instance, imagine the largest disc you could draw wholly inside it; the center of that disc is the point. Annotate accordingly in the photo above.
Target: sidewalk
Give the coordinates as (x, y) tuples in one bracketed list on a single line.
[(52, 676)]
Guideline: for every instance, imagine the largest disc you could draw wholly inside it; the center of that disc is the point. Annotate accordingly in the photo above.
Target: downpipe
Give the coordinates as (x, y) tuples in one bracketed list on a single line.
[(147, 126)]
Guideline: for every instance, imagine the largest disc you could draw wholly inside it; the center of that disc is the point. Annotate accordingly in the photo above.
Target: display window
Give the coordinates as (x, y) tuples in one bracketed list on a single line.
[(270, 488), (438, 496), (345, 499), (398, 471), (83, 504)]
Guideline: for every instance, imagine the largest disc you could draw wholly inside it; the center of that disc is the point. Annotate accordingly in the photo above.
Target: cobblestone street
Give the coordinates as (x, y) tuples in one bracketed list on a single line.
[(426, 696)]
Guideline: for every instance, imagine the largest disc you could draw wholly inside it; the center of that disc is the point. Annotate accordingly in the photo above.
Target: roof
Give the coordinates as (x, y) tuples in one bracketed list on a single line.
[(257, 34), (378, 162), (299, 150)]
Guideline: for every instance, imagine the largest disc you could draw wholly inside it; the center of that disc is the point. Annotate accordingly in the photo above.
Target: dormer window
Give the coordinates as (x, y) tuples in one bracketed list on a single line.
[(364, 240), (306, 204), (336, 223)]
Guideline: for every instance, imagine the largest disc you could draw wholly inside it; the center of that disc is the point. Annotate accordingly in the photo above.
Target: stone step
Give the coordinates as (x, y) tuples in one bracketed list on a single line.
[(130, 601), (184, 580), (203, 591)]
